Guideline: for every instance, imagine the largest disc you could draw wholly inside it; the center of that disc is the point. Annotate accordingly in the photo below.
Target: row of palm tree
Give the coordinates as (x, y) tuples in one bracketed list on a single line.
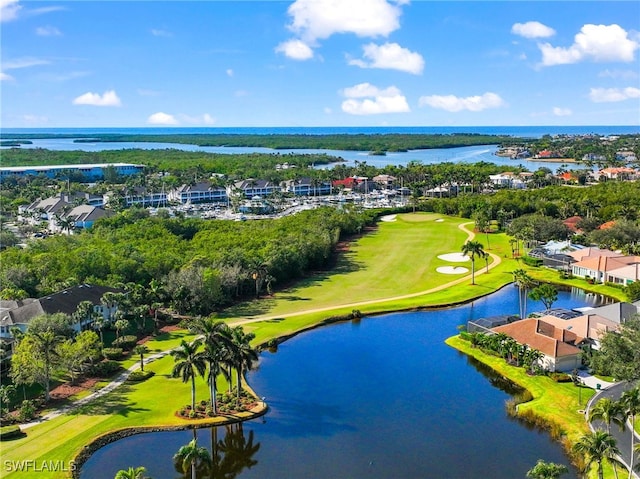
[(602, 444), (224, 349), (508, 348)]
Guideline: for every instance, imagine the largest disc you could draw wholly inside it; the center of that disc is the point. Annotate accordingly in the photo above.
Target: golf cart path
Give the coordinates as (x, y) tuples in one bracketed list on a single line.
[(470, 235)]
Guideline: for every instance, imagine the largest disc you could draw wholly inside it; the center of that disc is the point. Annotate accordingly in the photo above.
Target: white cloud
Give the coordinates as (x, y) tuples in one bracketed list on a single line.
[(622, 74), (156, 32), (9, 10), (48, 31), (24, 62), (295, 49), (109, 98), (532, 30), (390, 56), (318, 19), (598, 43), (229, 72), (557, 111), (471, 103), (367, 99), (161, 118), (608, 95), (5, 77)]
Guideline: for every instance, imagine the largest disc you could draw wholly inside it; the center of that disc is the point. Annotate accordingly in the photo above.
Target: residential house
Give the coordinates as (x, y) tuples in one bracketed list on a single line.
[(20, 313), (617, 312), (202, 192), (606, 266), (509, 179), (307, 187), (560, 347), (251, 187), (82, 216), (385, 181), (620, 173)]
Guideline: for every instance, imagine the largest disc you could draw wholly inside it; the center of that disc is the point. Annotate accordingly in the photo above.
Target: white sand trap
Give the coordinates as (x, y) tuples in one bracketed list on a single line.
[(452, 270), (454, 257), (388, 218), (439, 220)]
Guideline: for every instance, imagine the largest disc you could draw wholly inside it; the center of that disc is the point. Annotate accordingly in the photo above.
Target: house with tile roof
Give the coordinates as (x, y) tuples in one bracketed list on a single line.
[(614, 268), (560, 347)]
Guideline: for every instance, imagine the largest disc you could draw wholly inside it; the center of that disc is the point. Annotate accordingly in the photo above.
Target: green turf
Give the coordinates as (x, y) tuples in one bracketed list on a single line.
[(391, 268)]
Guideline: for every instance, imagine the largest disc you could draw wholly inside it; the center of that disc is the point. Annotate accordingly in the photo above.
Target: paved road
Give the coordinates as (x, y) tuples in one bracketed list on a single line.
[(623, 438)]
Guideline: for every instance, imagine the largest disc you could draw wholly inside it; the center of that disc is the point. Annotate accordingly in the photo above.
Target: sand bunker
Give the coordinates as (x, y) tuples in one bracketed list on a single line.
[(452, 270), (454, 257), (439, 220), (388, 218)]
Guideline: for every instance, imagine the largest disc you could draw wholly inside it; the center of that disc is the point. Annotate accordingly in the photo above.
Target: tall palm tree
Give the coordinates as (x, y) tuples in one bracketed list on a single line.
[(547, 470), (191, 455), (596, 447), (189, 363), (523, 282), (216, 337), (473, 249), (141, 350), (608, 411), (131, 473), (631, 406), (242, 353)]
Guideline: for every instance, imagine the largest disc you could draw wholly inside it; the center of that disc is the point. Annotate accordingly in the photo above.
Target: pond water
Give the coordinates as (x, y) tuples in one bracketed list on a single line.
[(383, 397), (467, 154)]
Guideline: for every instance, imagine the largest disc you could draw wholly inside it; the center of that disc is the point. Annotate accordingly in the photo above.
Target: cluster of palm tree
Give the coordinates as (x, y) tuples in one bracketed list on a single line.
[(224, 349), (600, 445), (523, 282), (508, 348)]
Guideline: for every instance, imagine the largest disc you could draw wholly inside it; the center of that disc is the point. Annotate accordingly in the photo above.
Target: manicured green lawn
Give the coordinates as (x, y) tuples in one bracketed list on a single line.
[(391, 268)]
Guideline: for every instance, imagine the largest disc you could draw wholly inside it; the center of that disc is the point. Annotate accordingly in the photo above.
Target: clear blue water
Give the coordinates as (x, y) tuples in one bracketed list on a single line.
[(380, 398), (471, 154)]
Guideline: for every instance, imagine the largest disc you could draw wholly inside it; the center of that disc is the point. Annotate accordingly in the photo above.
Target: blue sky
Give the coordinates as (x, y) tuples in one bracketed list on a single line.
[(319, 63)]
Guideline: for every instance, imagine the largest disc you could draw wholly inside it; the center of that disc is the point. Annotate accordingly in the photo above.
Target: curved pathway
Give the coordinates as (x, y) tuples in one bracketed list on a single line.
[(122, 377), (623, 438), (470, 235)]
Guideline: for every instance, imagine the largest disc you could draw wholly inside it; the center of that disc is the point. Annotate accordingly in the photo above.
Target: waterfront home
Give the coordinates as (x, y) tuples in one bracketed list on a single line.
[(252, 187), (621, 173), (509, 179), (608, 267), (202, 192), (306, 187), (81, 217), (559, 347)]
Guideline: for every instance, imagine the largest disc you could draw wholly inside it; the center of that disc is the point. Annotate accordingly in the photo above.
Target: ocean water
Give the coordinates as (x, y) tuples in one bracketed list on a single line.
[(518, 131)]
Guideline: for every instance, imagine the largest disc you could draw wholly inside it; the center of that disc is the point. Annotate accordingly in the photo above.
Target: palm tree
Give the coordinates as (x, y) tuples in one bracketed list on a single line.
[(141, 349), (131, 473), (473, 249), (596, 447), (523, 282), (243, 355), (608, 411), (547, 470), (189, 363), (631, 407), (191, 455), (216, 337)]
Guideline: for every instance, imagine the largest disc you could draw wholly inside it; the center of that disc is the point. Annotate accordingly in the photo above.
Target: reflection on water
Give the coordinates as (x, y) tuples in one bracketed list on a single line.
[(380, 398), (226, 458)]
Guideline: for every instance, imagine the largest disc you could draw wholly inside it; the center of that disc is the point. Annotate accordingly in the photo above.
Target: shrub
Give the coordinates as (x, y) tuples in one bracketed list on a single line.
[(10, 432), (104, 369), (192, 414), (529, 261), (138, 376), (27, 411), (560, 377), (125, 342), (112, 353), (465, 335)]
